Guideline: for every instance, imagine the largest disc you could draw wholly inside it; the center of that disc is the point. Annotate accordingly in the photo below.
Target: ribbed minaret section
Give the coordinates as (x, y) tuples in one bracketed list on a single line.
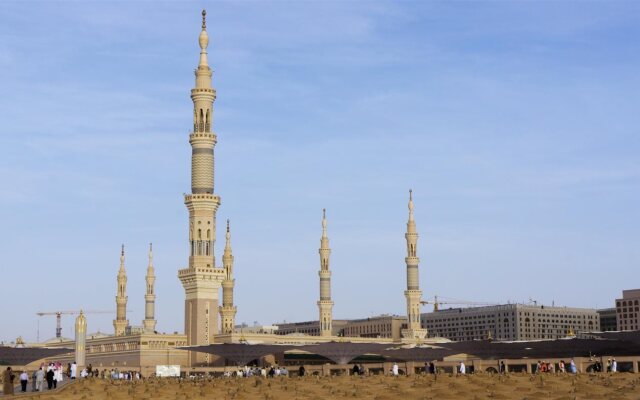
[(413, 293), (228, 310), (81, 340), (325, 305), (149, 322), (201, 279), (120, 323)]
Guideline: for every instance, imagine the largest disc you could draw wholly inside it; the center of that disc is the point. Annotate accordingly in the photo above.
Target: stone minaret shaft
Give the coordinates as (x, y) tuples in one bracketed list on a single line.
[(149, 322), (228, 310), (413, 293), (201, 279), (325, 305), (120, 323), (81, 340)]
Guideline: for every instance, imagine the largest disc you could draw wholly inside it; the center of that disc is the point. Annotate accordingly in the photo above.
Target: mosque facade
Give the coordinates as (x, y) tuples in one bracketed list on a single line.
[(202, 280)]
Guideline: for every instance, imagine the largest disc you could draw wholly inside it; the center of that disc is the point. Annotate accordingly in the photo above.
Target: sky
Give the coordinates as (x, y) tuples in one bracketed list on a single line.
[(516, 124)]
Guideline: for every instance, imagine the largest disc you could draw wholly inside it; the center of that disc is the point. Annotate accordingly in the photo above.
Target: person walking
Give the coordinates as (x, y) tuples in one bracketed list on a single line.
[(57, 375), (74, 370), (614, 365), (49, 376), (463, 368), (7, 381), (394, 369), (24, 379), (39, 380)]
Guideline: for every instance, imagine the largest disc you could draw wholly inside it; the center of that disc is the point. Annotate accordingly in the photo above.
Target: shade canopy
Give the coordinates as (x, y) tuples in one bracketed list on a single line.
[(27, 355), (240, 353)]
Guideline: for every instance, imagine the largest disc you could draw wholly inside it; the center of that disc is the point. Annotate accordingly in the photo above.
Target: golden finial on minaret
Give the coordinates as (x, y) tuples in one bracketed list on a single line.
[(204, 19)]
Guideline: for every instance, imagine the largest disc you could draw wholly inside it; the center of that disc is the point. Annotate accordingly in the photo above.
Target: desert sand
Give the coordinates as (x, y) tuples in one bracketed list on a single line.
[(442, 387)]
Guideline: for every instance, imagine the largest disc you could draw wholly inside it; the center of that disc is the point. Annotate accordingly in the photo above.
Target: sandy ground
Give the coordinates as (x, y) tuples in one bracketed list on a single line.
[(513, 386)]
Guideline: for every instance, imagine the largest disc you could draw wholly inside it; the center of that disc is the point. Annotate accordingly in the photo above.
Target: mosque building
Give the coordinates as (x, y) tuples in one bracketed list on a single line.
[(202, 280)]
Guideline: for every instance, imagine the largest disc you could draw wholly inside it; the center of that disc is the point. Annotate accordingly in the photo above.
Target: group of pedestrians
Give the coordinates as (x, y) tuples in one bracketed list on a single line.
[(270, 372), (51, 374)]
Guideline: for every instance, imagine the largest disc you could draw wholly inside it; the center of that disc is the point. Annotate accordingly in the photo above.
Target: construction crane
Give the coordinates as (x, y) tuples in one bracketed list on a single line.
[(436, 303), (59, 314)]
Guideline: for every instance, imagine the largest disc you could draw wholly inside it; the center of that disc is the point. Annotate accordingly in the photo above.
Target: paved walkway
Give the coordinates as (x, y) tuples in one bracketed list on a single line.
[(30, 388)]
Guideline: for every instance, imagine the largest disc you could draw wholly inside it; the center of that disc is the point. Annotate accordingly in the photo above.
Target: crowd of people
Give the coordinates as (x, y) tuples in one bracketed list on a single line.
[(49, 376), (265, 372)]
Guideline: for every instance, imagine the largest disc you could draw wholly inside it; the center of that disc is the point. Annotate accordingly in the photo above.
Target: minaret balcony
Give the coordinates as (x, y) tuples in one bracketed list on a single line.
[(205, 138)]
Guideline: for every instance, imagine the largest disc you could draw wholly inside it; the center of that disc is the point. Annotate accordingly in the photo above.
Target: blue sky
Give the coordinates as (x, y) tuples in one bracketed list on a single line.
[(515, 123)]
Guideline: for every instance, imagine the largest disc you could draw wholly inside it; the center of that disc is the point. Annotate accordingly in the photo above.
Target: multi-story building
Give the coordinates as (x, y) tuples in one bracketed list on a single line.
[(608, 319), (381, 326), (311, 328), (627, 310), (510, 322)]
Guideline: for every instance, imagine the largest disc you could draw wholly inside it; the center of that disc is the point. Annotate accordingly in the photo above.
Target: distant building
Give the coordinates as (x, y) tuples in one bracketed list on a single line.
[(256, 328), (627, 310), (608, 319), (510, 322), (311, 328), (381, 326)]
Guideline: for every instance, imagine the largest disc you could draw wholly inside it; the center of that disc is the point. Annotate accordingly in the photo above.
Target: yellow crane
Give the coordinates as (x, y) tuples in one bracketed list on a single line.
[(436, 303), (59, 315)]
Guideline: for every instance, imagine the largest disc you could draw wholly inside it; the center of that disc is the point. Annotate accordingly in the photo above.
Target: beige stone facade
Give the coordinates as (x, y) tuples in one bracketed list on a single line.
[(140, 351), (510, 322), (311, 328), (628, 310), (202, 279), (378, 327)]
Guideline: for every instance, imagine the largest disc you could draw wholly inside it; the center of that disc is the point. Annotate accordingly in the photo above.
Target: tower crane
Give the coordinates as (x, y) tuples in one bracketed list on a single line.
[(436, 303), (59, 314)]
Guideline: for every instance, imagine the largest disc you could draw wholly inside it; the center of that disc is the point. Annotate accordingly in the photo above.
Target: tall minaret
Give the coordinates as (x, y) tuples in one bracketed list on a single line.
[(201, 279), (413, 292), (120, 323), (325, 305), (149, 321), (228, 310)]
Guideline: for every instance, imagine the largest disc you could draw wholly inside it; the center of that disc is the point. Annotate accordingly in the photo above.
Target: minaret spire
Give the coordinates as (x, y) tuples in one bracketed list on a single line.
[(149, 321), (203, 40), (413, 293), (228, 310), (201, 278), (325, 304), (120, 323)]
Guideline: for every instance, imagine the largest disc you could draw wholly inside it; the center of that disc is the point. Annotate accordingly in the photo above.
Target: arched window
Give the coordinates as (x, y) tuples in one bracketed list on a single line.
[(199, 234), (207, 127), (195, 120), (208, 234), (201, 121)]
